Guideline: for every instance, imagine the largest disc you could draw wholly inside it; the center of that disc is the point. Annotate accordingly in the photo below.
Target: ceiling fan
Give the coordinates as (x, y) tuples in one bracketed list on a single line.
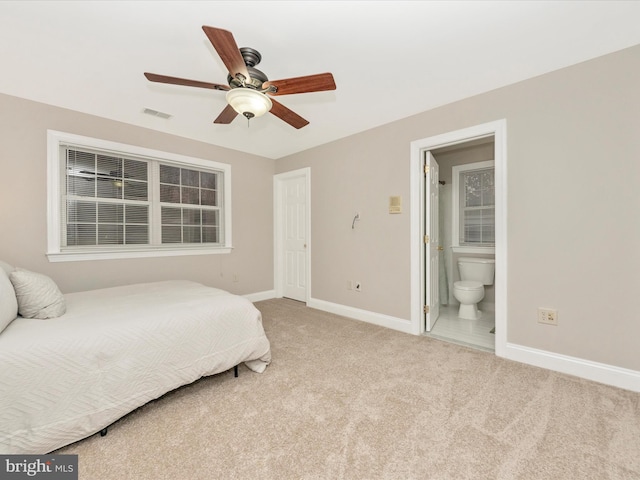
[(249, 91)]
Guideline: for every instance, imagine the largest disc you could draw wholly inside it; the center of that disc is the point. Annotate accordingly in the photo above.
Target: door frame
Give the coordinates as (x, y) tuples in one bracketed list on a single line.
[(498, 129), (278, 229)]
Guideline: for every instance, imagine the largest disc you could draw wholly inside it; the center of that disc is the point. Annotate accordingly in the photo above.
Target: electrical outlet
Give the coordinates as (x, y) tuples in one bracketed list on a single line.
[(358, 287), (548, 316)]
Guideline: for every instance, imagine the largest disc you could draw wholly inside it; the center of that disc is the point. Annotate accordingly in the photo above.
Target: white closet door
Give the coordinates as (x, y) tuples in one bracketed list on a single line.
[(295, 241)]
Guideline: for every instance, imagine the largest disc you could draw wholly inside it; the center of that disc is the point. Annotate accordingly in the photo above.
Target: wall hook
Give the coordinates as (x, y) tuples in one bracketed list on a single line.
[(353, 224)]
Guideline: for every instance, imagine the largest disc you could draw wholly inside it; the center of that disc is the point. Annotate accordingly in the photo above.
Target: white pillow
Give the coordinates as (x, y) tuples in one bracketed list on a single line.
[(6, 267), (8, 302), (38, 296)]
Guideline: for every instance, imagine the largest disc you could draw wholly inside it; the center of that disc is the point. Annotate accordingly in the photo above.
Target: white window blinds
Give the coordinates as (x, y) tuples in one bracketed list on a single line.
[(107, 200), (477, 207), (110, 200), (190, 205)]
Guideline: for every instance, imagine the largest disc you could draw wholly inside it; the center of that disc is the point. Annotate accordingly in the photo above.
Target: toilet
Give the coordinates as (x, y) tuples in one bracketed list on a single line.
[(475, 273)]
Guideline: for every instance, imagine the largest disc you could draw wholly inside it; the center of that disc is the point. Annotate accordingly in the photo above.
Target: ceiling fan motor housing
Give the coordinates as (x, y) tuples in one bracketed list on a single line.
[(251, 58)]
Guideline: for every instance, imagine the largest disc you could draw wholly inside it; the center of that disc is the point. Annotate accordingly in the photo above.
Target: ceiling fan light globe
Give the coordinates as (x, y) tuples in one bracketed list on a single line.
[(248, 102)]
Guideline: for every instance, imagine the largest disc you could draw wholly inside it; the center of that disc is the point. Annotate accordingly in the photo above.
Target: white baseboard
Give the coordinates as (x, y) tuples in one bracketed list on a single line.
[(598, 372), (379, 319), (259, 296)]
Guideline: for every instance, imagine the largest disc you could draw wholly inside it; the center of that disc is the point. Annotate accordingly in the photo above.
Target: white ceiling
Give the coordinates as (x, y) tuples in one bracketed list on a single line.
[(390, 59)]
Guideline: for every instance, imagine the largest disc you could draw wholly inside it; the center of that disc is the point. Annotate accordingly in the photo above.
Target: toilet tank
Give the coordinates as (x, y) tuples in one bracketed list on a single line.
[(477, 269)]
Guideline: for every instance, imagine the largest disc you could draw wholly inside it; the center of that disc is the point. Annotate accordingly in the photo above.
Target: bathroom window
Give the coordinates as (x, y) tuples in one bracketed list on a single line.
[(474, 208)]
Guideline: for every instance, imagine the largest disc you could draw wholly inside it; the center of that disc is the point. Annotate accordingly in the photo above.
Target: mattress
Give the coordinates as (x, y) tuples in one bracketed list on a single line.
[(114, 350)]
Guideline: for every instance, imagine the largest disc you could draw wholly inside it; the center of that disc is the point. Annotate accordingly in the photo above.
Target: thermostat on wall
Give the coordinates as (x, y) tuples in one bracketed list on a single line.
[(395, 204)]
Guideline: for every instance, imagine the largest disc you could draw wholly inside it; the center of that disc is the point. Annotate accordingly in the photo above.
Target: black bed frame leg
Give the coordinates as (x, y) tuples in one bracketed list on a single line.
[(103, 432), (235, 371)]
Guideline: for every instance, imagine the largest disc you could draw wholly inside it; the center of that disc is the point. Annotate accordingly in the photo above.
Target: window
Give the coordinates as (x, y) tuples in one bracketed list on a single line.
[(108, 200), (474, 207)]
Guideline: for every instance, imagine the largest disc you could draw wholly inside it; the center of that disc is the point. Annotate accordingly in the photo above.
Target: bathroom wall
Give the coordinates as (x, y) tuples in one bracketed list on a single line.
[(448, 157)]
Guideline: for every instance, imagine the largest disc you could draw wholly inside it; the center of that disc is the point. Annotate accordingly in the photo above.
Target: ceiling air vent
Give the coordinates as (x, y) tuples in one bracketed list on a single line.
[(156, 113)]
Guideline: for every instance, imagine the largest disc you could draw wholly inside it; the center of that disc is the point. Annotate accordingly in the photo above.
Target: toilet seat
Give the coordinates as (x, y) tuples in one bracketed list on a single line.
[(468, 285)]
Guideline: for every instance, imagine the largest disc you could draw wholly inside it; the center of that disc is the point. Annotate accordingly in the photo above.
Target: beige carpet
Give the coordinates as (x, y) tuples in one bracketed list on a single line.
[(348, 400)]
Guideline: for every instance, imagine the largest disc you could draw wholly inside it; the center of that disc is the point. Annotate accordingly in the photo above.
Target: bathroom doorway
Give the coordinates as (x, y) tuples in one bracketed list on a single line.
[(461, 193), (454, 150)]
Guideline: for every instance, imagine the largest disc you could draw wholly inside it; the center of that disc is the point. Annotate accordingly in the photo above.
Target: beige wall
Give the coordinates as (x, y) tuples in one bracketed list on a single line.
[(447, 159), (357, 175), (573, 186), (23, 205)]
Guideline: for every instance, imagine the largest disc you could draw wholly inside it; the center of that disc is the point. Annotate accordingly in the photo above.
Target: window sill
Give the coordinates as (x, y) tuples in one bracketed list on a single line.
[(83, 256), (481, 250)]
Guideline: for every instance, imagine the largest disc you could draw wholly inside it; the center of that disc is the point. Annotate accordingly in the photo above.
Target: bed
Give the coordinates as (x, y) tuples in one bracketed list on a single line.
[(113, 350)]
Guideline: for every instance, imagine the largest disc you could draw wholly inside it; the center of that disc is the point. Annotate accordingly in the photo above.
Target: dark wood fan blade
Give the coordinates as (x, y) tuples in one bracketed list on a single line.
[(225, 45), (183, 81), (287, 115), (227, 115), (310, 83)]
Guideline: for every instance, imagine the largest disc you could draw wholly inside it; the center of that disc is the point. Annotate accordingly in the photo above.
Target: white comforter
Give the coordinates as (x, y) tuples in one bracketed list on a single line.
[(114, 350)]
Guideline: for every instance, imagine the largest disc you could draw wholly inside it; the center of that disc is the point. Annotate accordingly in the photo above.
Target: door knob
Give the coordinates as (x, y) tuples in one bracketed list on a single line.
[(440, 248)]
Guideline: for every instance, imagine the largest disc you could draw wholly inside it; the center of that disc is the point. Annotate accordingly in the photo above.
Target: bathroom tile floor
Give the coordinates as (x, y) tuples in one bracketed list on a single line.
[(472, 333)]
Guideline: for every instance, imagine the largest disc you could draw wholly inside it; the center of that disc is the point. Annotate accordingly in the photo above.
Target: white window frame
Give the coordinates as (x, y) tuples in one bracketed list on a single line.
[(456, 171), (56, 181)]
